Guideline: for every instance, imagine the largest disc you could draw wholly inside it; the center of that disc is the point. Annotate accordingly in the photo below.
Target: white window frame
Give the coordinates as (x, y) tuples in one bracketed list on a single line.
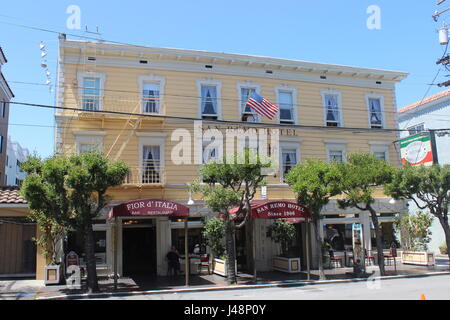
[(161, 81), (91, 74), (89, 137), (380, 146), (336, 146), (293, 91), (338, 94), (383, 117), (153, 139), (249, 85), (291, 146), (210, 83)]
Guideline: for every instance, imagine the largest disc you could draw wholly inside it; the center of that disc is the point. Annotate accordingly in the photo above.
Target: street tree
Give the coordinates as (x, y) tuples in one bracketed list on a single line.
[(361, 175), (315, 182), (71, 190), (232, 183), (427, 187)]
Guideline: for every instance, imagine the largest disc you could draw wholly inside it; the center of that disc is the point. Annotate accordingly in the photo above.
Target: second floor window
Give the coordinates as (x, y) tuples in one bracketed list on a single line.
[(332, 111), (91, 93), (151, 98), (416, 129), (151, 164), (209, 101), (376, 114), (286, 104)]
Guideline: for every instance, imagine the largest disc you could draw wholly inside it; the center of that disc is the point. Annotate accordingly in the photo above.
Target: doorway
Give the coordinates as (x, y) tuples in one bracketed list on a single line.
[(139, 249)]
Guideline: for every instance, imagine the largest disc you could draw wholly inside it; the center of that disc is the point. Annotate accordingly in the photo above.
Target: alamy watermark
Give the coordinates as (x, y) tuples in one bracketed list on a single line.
[(374, 20)]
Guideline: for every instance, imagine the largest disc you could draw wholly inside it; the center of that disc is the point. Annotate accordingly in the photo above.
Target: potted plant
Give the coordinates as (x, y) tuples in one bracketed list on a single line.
[(50, 233), (415, 231), (283, 232), (214, 231)]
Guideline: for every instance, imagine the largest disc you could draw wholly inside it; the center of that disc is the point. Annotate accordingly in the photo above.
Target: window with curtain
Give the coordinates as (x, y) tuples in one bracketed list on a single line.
[(289, 158), (286, 104), (336, 155), (333, 118), (376, 116), (151, 97), (151, 164), (209, 101), (91, 93), (380, 155), (248, 114)]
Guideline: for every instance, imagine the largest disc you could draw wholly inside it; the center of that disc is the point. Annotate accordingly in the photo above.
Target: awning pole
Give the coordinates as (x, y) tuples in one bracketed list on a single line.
[(307, 251), (186, 253), (115, 252), (254, 249)]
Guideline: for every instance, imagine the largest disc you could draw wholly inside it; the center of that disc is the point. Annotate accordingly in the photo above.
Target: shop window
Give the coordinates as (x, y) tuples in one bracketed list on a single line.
[(75, 242)]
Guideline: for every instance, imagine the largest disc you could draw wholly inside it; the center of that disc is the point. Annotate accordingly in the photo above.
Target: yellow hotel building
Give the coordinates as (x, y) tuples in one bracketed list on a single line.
[(146, 94)]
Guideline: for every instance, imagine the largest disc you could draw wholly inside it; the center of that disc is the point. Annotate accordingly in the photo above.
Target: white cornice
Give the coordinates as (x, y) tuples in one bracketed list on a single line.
[(89, 133), (227, 58)]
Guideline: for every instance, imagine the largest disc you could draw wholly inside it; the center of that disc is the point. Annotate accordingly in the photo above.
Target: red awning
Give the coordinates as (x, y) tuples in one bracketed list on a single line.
[(287, 210), (149, 208)]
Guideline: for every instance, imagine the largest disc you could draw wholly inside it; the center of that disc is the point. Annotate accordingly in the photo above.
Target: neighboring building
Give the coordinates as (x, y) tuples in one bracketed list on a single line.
[(431, 113), (175, 86), (15, 156), (5, 96)]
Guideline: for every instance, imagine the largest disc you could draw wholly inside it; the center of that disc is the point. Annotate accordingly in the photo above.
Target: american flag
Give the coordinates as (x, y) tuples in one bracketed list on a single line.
[(262, 106)]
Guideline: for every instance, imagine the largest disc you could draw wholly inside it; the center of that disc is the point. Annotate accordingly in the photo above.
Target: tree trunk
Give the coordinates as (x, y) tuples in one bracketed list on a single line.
[(89, 243), (231, 251), (444, 223), (380, 254), (319, 249)]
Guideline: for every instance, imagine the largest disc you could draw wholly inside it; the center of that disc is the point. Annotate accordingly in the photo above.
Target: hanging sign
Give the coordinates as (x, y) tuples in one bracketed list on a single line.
[(416, 150)]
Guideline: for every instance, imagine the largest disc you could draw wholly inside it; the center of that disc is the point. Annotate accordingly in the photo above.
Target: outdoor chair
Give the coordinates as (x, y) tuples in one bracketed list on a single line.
[(370, 260), (335, 260), (204, 263)]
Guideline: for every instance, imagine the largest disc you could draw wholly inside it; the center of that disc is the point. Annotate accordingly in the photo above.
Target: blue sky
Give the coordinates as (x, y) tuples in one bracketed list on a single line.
[(320, 31)]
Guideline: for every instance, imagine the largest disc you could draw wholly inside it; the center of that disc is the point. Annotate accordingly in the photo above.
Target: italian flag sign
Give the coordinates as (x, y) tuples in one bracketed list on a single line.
[(416, 150)]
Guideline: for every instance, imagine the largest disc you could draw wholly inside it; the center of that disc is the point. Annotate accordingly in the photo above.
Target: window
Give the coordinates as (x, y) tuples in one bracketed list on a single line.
[(333, 117), (151, 164), (151, 97), (416, 129), (91, 93), (286, 104), (209, 101), (3, 109), (88, 141), (380, 155), (210, 153), (247, 114), (289, 160), (336, 155), (380, 150), (86, 147), (375, 106), (19, 182), (1, 144)]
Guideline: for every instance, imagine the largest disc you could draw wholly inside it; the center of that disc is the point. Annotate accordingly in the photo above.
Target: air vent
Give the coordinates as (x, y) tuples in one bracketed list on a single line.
[(269, 71), (379, 82), (143, 61), (208, 66), (92, 58), (323, 77)]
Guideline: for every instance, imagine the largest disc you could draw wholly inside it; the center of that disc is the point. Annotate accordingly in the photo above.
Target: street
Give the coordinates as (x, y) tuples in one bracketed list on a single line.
[(433, 288)]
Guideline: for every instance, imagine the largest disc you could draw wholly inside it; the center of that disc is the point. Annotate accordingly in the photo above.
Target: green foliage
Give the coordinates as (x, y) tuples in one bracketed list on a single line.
[(430, 185), (359, 175), (50, 233), (70, 189), (282, 232), (314, 182), (214, 231), (415, 229)]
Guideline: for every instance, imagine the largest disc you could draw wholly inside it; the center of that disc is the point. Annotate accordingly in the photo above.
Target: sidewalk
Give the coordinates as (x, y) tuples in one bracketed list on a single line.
[(34, 289)]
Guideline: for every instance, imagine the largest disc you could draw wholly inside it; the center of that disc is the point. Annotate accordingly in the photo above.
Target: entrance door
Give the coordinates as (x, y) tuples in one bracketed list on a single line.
[(139, 251)]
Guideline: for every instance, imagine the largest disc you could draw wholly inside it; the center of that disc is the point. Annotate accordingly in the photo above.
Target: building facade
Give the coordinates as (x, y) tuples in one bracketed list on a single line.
[(432, 112), (15, 156), (157, 109), (5, 96)]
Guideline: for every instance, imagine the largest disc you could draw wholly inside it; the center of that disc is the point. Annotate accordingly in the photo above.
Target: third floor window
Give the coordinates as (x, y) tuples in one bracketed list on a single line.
[(332, 110), (91, 93)]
